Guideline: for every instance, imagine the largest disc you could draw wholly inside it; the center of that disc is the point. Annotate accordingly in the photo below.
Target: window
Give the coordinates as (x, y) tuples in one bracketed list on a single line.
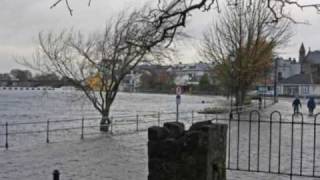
[(305, 89), (279, 75)]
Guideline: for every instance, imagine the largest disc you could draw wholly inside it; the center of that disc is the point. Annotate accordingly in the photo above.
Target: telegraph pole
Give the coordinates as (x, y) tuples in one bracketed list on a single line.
[(275, 81), (265, 88), (178, 101)]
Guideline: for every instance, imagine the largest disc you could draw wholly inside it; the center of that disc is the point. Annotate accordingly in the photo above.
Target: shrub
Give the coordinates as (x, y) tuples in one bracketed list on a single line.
[(214, 110)]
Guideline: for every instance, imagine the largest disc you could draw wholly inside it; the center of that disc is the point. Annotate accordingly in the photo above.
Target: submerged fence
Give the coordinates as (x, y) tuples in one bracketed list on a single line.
[(14, 134), (53, 130)]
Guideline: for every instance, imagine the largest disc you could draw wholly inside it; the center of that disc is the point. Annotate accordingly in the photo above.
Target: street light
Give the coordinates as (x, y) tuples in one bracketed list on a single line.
[(232, 60), (275, 80)]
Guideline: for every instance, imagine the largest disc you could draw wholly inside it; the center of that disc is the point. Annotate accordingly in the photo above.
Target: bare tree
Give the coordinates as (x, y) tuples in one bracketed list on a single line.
[(171, 15), (242, 44), (96, 64)]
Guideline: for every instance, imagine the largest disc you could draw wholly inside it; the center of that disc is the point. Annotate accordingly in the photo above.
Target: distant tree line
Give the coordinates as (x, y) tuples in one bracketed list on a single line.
[(20, 75)]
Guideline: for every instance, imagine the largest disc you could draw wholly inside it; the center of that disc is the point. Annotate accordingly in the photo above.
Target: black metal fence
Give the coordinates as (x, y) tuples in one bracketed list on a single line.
[(19, 134), (13, 134), (274, 145)]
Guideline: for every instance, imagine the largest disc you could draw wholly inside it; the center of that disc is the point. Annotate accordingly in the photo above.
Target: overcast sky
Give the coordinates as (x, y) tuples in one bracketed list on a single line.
[(22, 20)]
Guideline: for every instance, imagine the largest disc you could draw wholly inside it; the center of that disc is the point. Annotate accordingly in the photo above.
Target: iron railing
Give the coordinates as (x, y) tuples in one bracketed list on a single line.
[(275, 145)]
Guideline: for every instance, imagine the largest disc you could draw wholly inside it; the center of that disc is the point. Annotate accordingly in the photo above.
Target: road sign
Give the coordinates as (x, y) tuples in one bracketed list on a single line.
[(178, 99), (178, 90)]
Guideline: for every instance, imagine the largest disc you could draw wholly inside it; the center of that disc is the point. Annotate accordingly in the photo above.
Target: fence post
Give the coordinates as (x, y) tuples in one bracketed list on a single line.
[(7, 145), (192, 117), (137, 122), (48, 131), (111, 125), (82, 128), (159, 119), (56, 175)]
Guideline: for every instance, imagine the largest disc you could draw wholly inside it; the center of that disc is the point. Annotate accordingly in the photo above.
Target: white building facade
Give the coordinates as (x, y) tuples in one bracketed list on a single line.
[(287, 68), (189, 74)]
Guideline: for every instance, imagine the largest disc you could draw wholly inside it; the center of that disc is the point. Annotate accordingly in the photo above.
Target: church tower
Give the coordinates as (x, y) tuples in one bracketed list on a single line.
[(302, 55)]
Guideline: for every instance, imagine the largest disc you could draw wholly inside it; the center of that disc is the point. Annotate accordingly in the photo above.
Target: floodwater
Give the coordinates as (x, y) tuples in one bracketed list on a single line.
[(25, 106), (62, 112), (124, 156)]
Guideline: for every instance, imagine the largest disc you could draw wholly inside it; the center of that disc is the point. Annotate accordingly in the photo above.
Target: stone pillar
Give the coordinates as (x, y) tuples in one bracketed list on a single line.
[(196, 154)]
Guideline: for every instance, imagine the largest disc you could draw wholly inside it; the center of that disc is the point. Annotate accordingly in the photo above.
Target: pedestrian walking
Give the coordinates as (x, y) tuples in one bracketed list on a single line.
[(296, 104), (260, 102), (311, 105)]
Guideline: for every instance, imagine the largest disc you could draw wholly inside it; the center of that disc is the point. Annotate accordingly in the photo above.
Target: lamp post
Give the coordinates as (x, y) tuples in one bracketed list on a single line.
[(275, 81), (265, 88), (232, 59)]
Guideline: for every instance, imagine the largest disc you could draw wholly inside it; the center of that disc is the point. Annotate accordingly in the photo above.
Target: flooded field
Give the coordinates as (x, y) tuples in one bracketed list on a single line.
[(121, 157)]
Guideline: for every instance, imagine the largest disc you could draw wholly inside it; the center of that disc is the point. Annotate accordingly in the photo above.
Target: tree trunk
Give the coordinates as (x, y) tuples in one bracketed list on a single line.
[(240, 98), (243, 96), (105, 122)]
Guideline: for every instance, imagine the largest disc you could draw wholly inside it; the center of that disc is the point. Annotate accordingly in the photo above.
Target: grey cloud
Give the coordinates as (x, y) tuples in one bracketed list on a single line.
[(21, 20)]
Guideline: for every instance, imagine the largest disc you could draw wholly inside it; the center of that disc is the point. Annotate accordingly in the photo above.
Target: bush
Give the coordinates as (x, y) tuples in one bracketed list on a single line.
[(247, 100), (255, 97), (214, 110)]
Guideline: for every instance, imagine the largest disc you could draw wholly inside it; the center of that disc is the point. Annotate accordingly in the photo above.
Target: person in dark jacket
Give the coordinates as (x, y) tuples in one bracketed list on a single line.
[(311, 105), (260, 101), (296, 104)]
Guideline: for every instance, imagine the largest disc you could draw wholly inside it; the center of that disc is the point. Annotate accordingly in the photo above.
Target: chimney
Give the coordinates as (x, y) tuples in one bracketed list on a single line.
[(294, 60)]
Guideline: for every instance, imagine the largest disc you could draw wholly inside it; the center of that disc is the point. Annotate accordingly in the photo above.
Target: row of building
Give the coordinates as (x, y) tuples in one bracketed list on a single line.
[(299, 77), (291, 77), (145, 77), (148, 76)]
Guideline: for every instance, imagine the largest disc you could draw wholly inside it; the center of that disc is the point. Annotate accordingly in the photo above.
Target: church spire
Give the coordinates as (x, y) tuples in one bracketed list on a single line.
[(302, 49), (302, 53)]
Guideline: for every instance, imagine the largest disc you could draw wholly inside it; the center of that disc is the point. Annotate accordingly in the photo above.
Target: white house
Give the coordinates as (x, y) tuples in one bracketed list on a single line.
[(189, 74), (287, 68), (301, 78), (130, 82), (300, 84)]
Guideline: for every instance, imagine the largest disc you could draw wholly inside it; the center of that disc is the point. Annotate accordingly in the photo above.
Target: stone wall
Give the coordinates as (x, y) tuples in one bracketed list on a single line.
[(196, 154)]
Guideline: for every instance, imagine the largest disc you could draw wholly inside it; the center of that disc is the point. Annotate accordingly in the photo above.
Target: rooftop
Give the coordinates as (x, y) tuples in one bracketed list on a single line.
[(298, 79), (313, 57)]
